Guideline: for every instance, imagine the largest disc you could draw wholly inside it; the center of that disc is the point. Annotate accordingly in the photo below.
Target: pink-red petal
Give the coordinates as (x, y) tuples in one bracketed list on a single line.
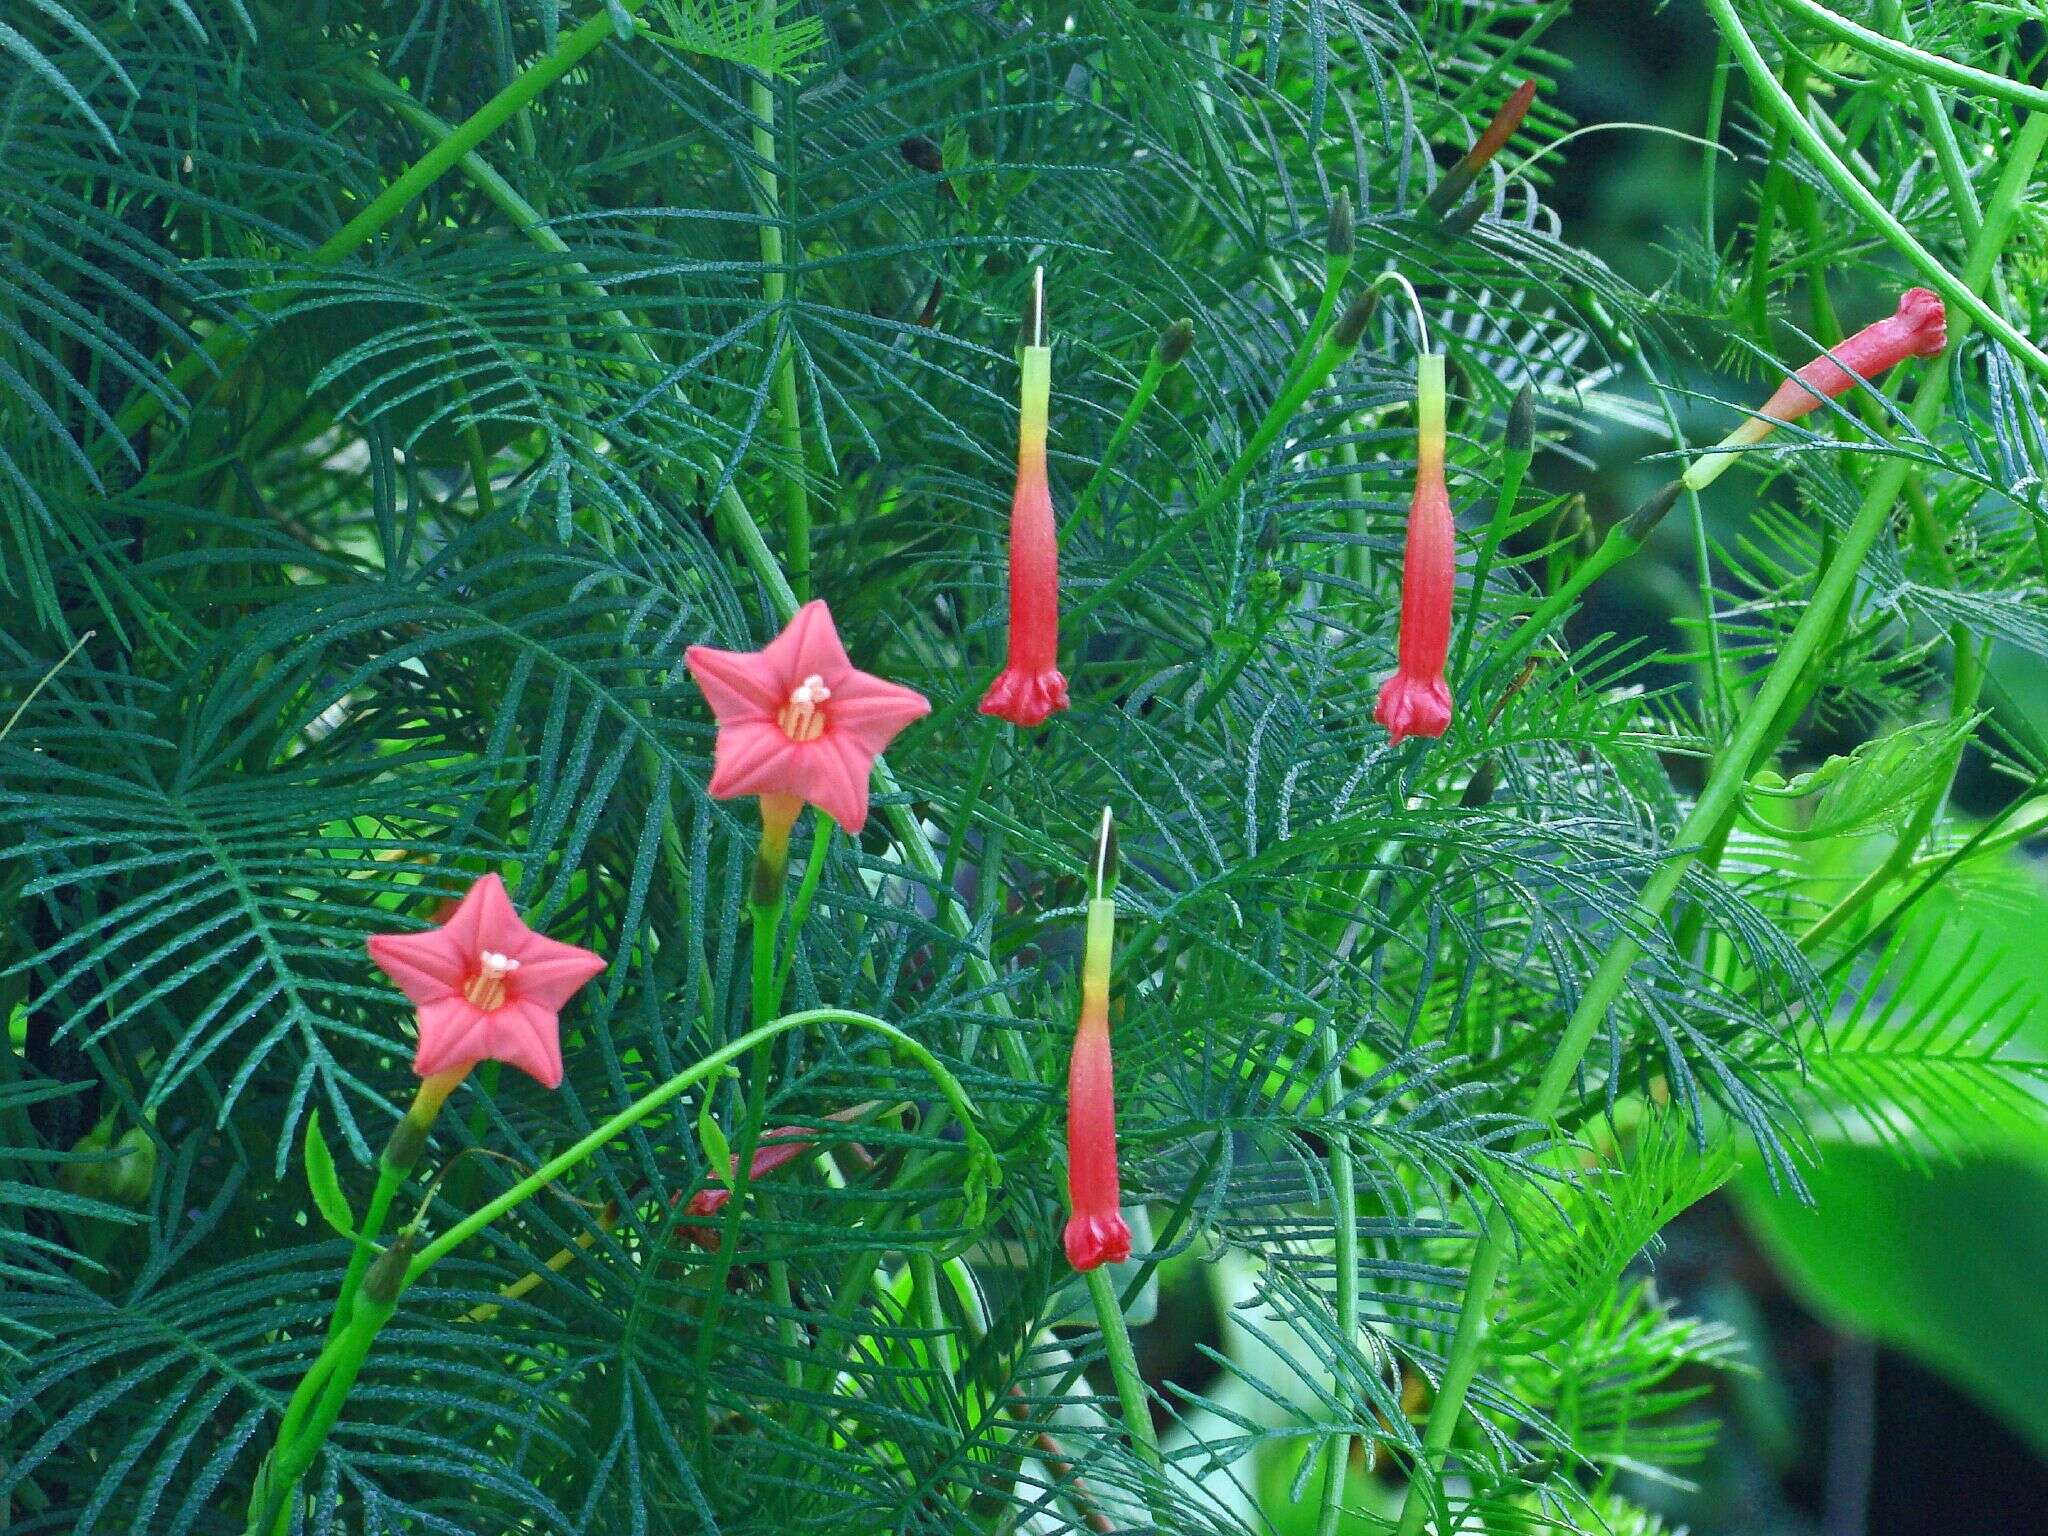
[(427, 966), (738, 685), (873, 710), (809, 644), (754, 758)]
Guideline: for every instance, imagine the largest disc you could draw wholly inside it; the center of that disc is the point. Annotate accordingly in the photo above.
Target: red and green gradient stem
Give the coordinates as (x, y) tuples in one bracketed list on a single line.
[(1030, 686)]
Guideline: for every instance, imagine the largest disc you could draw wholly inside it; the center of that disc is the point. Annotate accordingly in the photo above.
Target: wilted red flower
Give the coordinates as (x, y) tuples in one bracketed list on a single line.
[(1917, 328)]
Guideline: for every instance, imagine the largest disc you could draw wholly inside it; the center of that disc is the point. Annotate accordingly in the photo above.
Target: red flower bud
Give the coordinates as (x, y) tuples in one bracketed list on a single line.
[(1096, 1231), (1416, 701), (1031, 687)]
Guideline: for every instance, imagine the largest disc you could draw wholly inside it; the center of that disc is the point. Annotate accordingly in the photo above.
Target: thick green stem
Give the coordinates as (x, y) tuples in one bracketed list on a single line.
[(1344, 1200), (1716, 804), (1772, 97), (796, 505), (1917, 61), (1123, 1365)]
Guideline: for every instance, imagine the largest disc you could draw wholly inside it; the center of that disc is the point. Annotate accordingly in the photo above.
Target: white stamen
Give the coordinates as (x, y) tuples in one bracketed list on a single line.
[(486, 988), (800, 718)]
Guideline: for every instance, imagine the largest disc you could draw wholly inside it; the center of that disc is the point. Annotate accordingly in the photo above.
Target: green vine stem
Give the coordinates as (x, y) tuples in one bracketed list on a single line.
[(1123, 1365), (1916, 60), (1717, 802), (796, 505), (985, 1171), (1852, 190), (388, 1181), (330, 1376)]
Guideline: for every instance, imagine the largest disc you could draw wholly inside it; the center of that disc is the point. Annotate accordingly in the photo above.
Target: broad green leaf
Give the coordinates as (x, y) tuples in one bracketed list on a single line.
[(320, 1178), (1946, 1266), (1873, 786)]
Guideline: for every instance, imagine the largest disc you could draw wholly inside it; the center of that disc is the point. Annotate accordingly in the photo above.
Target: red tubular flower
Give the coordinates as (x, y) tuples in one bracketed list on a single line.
[(1096, 1231), (1917, 328), (1031, 687), (1416, 701)]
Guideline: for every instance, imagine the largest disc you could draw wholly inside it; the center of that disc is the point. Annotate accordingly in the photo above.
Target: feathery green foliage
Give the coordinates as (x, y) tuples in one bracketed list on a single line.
[(335, 577)]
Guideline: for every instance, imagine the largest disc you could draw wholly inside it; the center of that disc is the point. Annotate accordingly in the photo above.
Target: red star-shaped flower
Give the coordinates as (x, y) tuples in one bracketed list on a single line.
[(488, 988), (797, 719)]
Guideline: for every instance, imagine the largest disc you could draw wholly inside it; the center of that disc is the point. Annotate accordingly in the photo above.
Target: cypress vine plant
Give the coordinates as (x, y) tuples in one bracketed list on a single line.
[(391, 393)]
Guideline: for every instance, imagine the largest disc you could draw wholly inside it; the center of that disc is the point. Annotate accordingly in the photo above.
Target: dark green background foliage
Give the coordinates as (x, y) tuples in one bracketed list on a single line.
[(391, 587)]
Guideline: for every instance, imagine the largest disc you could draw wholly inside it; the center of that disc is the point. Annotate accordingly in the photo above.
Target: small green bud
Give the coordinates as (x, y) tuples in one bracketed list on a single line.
[(1638, 524), (921, 154), (1456, 183), (1479, 788), (132, 1174), (1174, 342), (1357, 315), (1461, 222), (1265, 588), (408, 1144), (1522, 421), (1343, 236), (386, 1277)]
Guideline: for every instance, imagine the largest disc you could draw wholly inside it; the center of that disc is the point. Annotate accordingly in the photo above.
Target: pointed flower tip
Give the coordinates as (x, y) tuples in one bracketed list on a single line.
[(1504, 124), (1357, 315), (1092, 1241), (1343, 238), (1651, 513), (1492, 140), (1521, 433)]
